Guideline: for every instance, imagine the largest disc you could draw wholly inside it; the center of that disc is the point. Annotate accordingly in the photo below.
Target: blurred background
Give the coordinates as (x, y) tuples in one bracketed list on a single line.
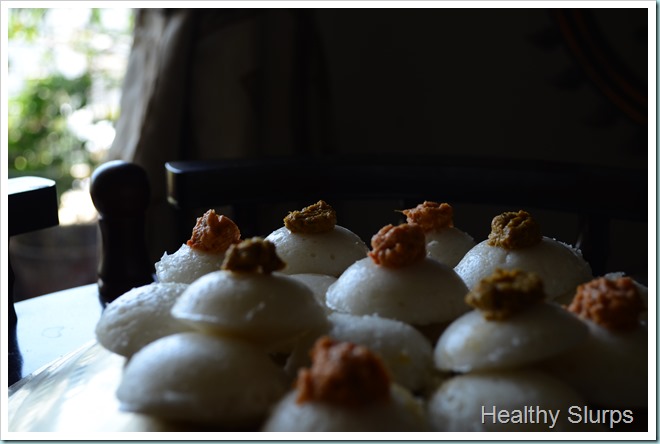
[(155, 85), (66, 69)]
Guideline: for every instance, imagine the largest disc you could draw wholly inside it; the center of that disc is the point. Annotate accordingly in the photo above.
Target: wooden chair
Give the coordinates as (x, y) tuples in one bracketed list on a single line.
[(32, 205), (596, 195)]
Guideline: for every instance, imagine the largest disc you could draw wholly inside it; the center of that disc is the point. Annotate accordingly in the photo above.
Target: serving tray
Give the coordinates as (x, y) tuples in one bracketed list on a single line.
[(75, 393)]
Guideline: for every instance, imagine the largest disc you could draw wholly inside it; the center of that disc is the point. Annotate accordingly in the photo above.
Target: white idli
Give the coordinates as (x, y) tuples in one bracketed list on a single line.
[(560, 266), (266, 309), (407, 354), (203, 253), (465, 403), (139, 317), (425, 292), (199, 378), (348, 389), (444, 242), (327, 253), (403, 413), (472, 342), (318, 283), (186, 265)]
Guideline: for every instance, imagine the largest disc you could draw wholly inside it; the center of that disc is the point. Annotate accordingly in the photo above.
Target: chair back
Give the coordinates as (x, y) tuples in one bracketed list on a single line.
[(593, 195), (32, 205)]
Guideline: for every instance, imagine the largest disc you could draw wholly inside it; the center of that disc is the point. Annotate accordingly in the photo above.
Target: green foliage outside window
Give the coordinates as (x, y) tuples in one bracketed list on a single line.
[(41, 140), (40, 143)]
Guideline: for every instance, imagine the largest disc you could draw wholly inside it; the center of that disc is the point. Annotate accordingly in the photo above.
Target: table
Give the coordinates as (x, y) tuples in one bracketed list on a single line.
[(53, 325)]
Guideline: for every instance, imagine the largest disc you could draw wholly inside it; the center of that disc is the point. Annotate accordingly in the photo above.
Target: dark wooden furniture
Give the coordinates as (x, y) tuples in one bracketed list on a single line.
[(32, 205), (120, 192), (598, 195)]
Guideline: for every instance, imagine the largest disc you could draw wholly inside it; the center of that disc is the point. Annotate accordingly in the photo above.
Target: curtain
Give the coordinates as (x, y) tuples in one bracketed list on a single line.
[(211, 84)]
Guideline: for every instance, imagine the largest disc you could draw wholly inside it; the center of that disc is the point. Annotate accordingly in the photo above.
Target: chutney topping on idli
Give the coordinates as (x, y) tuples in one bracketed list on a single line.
[(431, 216), (317, 218), (514, 230), (505, 293), (398, 246), (214, 233), (611, 303), (343, 373), (253, 255)]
